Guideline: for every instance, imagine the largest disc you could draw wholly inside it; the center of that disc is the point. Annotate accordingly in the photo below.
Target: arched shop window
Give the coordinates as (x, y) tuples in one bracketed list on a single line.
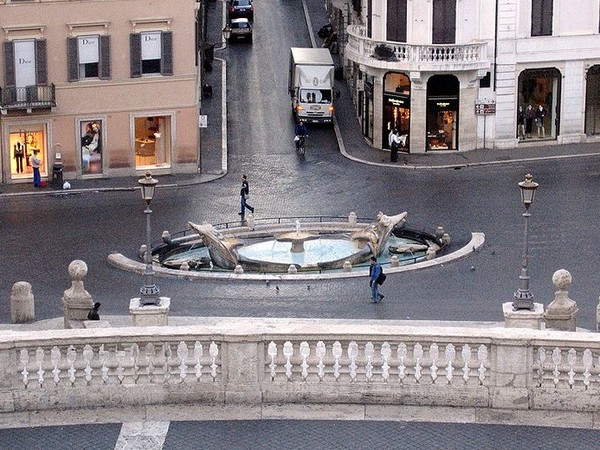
[(541, 87), (592, 101), (396, 106), (442, 112)]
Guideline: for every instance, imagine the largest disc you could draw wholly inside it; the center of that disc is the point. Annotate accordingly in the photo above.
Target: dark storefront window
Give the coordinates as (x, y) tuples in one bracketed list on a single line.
[(592, 101), (444, 22), (539, 96), (442, 112), (396, 20), (396, 107)]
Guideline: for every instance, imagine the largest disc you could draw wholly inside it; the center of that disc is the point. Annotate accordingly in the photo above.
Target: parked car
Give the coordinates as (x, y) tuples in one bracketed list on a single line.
[(241, 9), (240, 29)]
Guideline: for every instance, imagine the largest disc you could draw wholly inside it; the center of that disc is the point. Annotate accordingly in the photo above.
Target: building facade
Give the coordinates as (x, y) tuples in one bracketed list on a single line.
[(453, 74), (107, 88)]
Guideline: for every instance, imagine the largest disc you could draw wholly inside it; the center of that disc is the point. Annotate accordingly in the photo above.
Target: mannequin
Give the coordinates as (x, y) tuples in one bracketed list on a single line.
[(521, 123), (529, 116), (540, 113)]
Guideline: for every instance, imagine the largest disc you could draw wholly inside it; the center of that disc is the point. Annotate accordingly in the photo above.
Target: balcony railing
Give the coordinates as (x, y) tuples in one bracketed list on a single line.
[(301, 361), (28, 97), (398, 56)]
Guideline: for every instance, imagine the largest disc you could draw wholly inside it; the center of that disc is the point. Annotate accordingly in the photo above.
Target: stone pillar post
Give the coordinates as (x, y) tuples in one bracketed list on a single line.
[(22, 308), (244, 360), (561, 314), (76, 301)]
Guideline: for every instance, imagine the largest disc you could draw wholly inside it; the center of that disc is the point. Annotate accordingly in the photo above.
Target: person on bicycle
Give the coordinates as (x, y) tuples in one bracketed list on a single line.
[(301, 133)]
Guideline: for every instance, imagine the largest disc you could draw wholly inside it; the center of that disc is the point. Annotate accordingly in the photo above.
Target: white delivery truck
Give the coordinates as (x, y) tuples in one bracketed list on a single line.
[(310, 84)]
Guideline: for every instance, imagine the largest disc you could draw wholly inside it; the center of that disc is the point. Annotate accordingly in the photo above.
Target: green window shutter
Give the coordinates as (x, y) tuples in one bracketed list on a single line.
[(41, 67), (166, 62), (72, 59), (104, 60), (9, 64), (135, 54)]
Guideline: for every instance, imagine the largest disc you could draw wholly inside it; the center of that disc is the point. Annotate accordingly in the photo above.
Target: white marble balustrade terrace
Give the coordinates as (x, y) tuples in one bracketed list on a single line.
[(308, 361)]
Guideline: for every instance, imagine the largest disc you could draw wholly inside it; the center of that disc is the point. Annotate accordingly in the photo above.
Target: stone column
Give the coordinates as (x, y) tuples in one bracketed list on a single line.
[(561, 314), (76, 301), (22, 308), (523, 318)]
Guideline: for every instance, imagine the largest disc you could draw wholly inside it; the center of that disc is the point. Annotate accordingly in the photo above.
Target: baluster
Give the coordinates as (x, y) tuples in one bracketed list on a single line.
[(24, 358), (39, 360), (304, 353), (541, 360), (571, 360), (182, 355), (213, 351), (272, 352), (337, 354), (103, 356), (88, 354), (168, 355), (386, 353), (418, 354), (321, 352), (434, 354), (71, 357), (352, 354), (402, 353), (482, 356), (587, 364), (450, 354), (369, 352), (151, 358), (55, 357), (556, 360), (288, 352), (198, 353), (466, 356), (134, 353)]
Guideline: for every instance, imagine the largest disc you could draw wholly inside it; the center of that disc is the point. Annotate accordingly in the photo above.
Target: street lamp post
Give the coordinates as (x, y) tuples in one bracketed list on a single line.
[(523, 296), (149, 291)]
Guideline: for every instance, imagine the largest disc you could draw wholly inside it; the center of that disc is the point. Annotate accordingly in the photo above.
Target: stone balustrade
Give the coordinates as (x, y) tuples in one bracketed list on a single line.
[(253, 361), (406, 57)]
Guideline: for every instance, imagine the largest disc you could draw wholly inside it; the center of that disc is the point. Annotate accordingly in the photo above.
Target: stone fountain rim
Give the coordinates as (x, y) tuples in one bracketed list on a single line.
[(122, 262)]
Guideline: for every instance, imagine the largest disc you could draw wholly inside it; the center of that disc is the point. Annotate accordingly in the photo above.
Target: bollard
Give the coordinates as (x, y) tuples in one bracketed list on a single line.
[(292, 270), (394, 261), (238, 270), (22, 309), (352, 218), (347, 266)]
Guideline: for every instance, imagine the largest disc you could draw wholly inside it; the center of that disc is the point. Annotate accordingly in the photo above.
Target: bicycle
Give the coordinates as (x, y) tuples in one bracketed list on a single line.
[(300, 141)]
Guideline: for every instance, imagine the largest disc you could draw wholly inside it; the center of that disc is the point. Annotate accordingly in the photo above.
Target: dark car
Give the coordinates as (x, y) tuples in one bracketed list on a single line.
[(241, 9), (240, 29)]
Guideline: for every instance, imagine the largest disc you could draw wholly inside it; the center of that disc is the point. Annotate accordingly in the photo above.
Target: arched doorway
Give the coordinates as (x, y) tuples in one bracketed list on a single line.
[(540, 87), (442, 112), (396, 107)]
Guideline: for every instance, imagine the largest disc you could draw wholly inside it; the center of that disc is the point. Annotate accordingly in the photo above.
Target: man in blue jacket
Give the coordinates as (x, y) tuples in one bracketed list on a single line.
[(374, 272)]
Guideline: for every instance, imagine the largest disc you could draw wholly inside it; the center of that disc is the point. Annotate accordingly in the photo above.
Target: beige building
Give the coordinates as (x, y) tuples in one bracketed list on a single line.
[(111, 86)]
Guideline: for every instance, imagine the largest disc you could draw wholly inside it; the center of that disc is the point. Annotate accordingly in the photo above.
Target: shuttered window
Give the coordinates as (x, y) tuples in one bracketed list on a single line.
[(88, 57), (541, 17), (396, 20), (151, 53), (41, 68), (444, 22)]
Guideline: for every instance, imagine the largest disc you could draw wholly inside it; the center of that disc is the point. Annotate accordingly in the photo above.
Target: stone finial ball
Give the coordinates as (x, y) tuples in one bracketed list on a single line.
[(562, 279), (78, 269)]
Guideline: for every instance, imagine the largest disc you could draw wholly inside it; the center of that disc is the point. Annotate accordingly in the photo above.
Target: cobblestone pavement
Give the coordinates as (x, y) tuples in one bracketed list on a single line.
[(298, 434)]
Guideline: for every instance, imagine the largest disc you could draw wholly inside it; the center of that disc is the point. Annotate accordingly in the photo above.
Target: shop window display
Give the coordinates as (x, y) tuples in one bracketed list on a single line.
[(152, 141), (396, 109), (442, 113), (23, 141), (91, 146), (539, 94)]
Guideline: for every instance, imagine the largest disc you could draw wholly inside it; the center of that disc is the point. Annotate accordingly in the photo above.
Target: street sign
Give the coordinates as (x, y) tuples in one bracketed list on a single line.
[(484, 107), (203, 121)]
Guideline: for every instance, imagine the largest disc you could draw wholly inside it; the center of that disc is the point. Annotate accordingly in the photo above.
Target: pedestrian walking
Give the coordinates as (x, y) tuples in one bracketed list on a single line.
[(93, 314), (375, 271), (35, 165), (244, 193)]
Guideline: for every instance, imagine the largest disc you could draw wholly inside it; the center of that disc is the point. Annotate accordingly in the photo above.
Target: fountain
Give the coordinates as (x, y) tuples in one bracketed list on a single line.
[(317, 247)]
